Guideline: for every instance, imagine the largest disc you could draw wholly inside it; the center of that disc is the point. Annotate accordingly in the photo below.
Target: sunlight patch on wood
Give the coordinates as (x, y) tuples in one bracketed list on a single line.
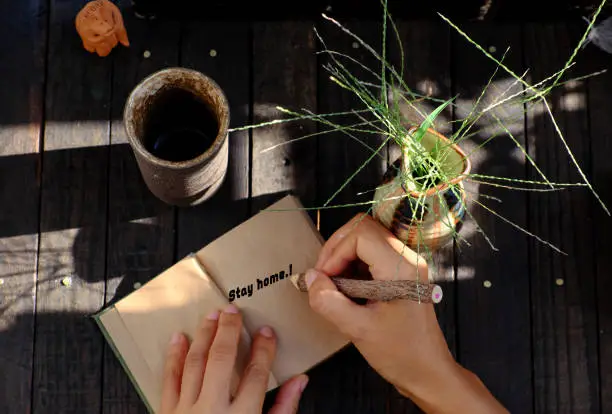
[(573, 101)]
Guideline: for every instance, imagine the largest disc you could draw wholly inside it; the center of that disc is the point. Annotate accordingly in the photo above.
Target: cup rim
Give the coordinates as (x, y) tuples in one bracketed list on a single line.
[(210, 152), (467, 166)]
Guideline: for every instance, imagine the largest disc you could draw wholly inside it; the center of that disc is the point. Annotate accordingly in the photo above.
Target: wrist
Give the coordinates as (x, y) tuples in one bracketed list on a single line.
[(427, 388), (450, 389)]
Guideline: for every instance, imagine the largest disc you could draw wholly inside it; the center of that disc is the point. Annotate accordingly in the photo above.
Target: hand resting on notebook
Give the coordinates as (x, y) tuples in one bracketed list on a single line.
[(401, 339), (198, 376)]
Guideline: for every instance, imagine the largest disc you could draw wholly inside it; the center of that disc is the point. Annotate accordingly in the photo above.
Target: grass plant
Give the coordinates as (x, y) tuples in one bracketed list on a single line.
[(382, 96)]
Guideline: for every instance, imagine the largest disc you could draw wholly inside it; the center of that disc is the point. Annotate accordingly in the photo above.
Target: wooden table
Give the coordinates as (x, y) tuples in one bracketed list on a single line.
[(78, 228)]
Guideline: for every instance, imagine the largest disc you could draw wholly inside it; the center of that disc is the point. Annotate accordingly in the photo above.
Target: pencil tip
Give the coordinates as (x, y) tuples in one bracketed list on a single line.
[(298, 281)]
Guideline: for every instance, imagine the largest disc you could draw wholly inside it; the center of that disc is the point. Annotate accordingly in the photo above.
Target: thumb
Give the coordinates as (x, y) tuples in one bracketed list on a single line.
[(288, 398), (325, 299)]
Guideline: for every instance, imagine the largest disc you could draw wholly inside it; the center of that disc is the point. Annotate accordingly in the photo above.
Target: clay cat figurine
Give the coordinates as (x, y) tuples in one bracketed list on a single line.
[(100, 26)]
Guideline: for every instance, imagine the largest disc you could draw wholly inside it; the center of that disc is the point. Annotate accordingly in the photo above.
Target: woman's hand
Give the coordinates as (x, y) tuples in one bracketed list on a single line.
[(197, 377), (401, 339)]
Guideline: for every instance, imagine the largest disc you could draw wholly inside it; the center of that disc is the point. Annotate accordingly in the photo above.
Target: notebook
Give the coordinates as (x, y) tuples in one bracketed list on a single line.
[(248, 266)]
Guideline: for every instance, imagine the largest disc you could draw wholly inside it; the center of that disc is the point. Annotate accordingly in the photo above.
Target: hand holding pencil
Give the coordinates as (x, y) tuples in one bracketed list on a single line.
[(401, 339), (380, 290)]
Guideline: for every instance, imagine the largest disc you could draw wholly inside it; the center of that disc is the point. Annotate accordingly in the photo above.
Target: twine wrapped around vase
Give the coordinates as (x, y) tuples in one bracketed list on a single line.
[(181, 182), (424, 219)]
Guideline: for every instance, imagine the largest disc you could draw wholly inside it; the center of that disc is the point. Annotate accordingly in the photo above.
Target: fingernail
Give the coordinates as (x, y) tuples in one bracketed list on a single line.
[(176, 338), (303, 384), (213, 316), (231, 309), (311, 275), (267, 332)]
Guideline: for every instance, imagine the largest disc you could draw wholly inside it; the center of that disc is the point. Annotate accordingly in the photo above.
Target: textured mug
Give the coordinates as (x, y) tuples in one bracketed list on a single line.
[(424, 220), (163, 103)]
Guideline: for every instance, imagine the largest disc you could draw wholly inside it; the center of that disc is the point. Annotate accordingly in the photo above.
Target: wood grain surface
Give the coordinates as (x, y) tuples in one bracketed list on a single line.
[(141, 228), (22, 65), (564, 315), (79, 229), (73, 219), (284, 74), (493, 284), (221, 51), (600, 132)]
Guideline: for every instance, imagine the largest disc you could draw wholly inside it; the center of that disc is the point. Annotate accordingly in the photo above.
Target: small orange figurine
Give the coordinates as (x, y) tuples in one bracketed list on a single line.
[(100, 26)]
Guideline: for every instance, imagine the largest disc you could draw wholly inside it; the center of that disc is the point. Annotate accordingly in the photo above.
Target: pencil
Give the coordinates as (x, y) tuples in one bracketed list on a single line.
[(380, 290)]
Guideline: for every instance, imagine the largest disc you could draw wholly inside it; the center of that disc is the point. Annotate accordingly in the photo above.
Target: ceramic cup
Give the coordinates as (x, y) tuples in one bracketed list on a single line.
[(177, 123)]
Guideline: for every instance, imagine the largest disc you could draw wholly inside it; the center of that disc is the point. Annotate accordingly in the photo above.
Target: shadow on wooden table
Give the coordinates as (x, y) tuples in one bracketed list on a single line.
[(96, 259), (500, 328)]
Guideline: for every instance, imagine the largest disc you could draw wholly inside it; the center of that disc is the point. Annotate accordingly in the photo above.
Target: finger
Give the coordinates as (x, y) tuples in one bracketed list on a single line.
[(346, 238), (222, 356), (387, 257), (254, 384), (173, 371), (325, 299), (338, 235), (195, 362), (288, 397)]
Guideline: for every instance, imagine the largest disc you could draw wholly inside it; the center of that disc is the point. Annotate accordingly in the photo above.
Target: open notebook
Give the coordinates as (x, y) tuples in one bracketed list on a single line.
[(248, 266)]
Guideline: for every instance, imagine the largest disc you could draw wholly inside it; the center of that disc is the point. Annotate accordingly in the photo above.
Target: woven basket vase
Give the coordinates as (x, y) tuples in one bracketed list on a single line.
[(183, 183), (431, 223)]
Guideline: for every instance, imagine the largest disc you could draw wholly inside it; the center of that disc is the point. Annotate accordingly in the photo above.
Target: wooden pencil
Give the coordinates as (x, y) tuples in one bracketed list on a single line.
[(380, 290)]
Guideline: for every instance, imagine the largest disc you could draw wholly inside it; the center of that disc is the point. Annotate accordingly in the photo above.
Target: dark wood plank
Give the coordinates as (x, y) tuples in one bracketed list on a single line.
[(347, 381), (599, 102), (21, 112), (140, 227), (221, 51), (493, 323), (341, 155), (427, 71), (68, 348), (564, 317), (467, 10), (284, 73)]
